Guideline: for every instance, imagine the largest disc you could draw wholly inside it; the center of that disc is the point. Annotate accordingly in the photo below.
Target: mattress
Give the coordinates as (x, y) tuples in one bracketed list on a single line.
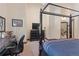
[(62, 47)]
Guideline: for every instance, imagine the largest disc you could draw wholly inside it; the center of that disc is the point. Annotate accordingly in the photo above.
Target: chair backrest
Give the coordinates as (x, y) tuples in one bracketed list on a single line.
[(20, 43)]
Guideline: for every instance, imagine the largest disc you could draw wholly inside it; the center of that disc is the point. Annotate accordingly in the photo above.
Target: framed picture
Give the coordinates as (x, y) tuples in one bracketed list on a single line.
[(2, 24), (17, 22), (64, 30)]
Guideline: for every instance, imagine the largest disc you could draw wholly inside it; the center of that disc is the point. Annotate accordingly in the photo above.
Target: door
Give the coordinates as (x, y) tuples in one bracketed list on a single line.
[(64, 30)]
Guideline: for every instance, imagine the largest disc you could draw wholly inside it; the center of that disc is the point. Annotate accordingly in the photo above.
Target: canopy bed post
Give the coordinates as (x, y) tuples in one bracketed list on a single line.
[(70, 27), (40, 33)]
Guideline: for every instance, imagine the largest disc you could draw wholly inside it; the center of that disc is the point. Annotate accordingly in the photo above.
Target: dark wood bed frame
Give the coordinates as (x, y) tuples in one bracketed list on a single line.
[(42, 11)]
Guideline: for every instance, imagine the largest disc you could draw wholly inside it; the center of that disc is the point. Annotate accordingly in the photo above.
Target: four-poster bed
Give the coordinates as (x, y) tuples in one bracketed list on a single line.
[(58, 47)]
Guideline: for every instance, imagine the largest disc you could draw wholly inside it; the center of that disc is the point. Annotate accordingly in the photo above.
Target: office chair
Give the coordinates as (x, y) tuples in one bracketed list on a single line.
[(19, 47), (5, 49)]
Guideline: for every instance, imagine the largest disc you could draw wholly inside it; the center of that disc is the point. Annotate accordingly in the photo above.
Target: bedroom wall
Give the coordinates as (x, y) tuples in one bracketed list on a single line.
[(3, 10), (16, 11), (10, 11), (76, 19), (76, 22), (33, 16), (54, 22), (21, 11)]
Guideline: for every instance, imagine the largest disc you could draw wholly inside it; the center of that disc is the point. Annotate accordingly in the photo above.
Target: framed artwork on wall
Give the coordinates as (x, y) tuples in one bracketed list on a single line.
[(17, 22), (2, 24), (64, 30)]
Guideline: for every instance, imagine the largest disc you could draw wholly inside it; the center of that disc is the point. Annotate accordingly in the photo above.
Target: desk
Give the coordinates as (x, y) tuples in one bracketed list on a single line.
[(4, 43)]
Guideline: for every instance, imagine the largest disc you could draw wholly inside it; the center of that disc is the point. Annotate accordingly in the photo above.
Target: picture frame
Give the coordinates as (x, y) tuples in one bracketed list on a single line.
[(17, 23), (64, 30), (2, 24)]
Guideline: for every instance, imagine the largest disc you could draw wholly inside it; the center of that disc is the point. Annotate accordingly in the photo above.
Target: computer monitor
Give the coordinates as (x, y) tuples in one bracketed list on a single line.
[(35, 25)]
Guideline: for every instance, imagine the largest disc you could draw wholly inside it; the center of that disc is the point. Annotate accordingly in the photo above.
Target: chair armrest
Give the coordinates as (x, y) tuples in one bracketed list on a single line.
[(10, 47)]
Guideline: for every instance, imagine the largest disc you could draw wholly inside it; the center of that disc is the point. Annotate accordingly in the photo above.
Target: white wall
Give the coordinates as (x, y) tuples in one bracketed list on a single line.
[(32, 16), (54, 24), (3, 11), (29, 13), (14, 11), (76, 22)]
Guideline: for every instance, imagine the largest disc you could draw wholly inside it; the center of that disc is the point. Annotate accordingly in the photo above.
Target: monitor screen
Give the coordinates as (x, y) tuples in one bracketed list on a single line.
[(35, 25)]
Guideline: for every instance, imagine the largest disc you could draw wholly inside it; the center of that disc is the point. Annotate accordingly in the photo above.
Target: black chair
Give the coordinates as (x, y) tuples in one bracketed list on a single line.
[(18, 48), (5, 50)]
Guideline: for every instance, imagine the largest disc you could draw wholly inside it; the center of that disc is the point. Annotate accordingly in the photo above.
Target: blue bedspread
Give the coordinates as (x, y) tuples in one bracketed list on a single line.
[(62, 48)]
